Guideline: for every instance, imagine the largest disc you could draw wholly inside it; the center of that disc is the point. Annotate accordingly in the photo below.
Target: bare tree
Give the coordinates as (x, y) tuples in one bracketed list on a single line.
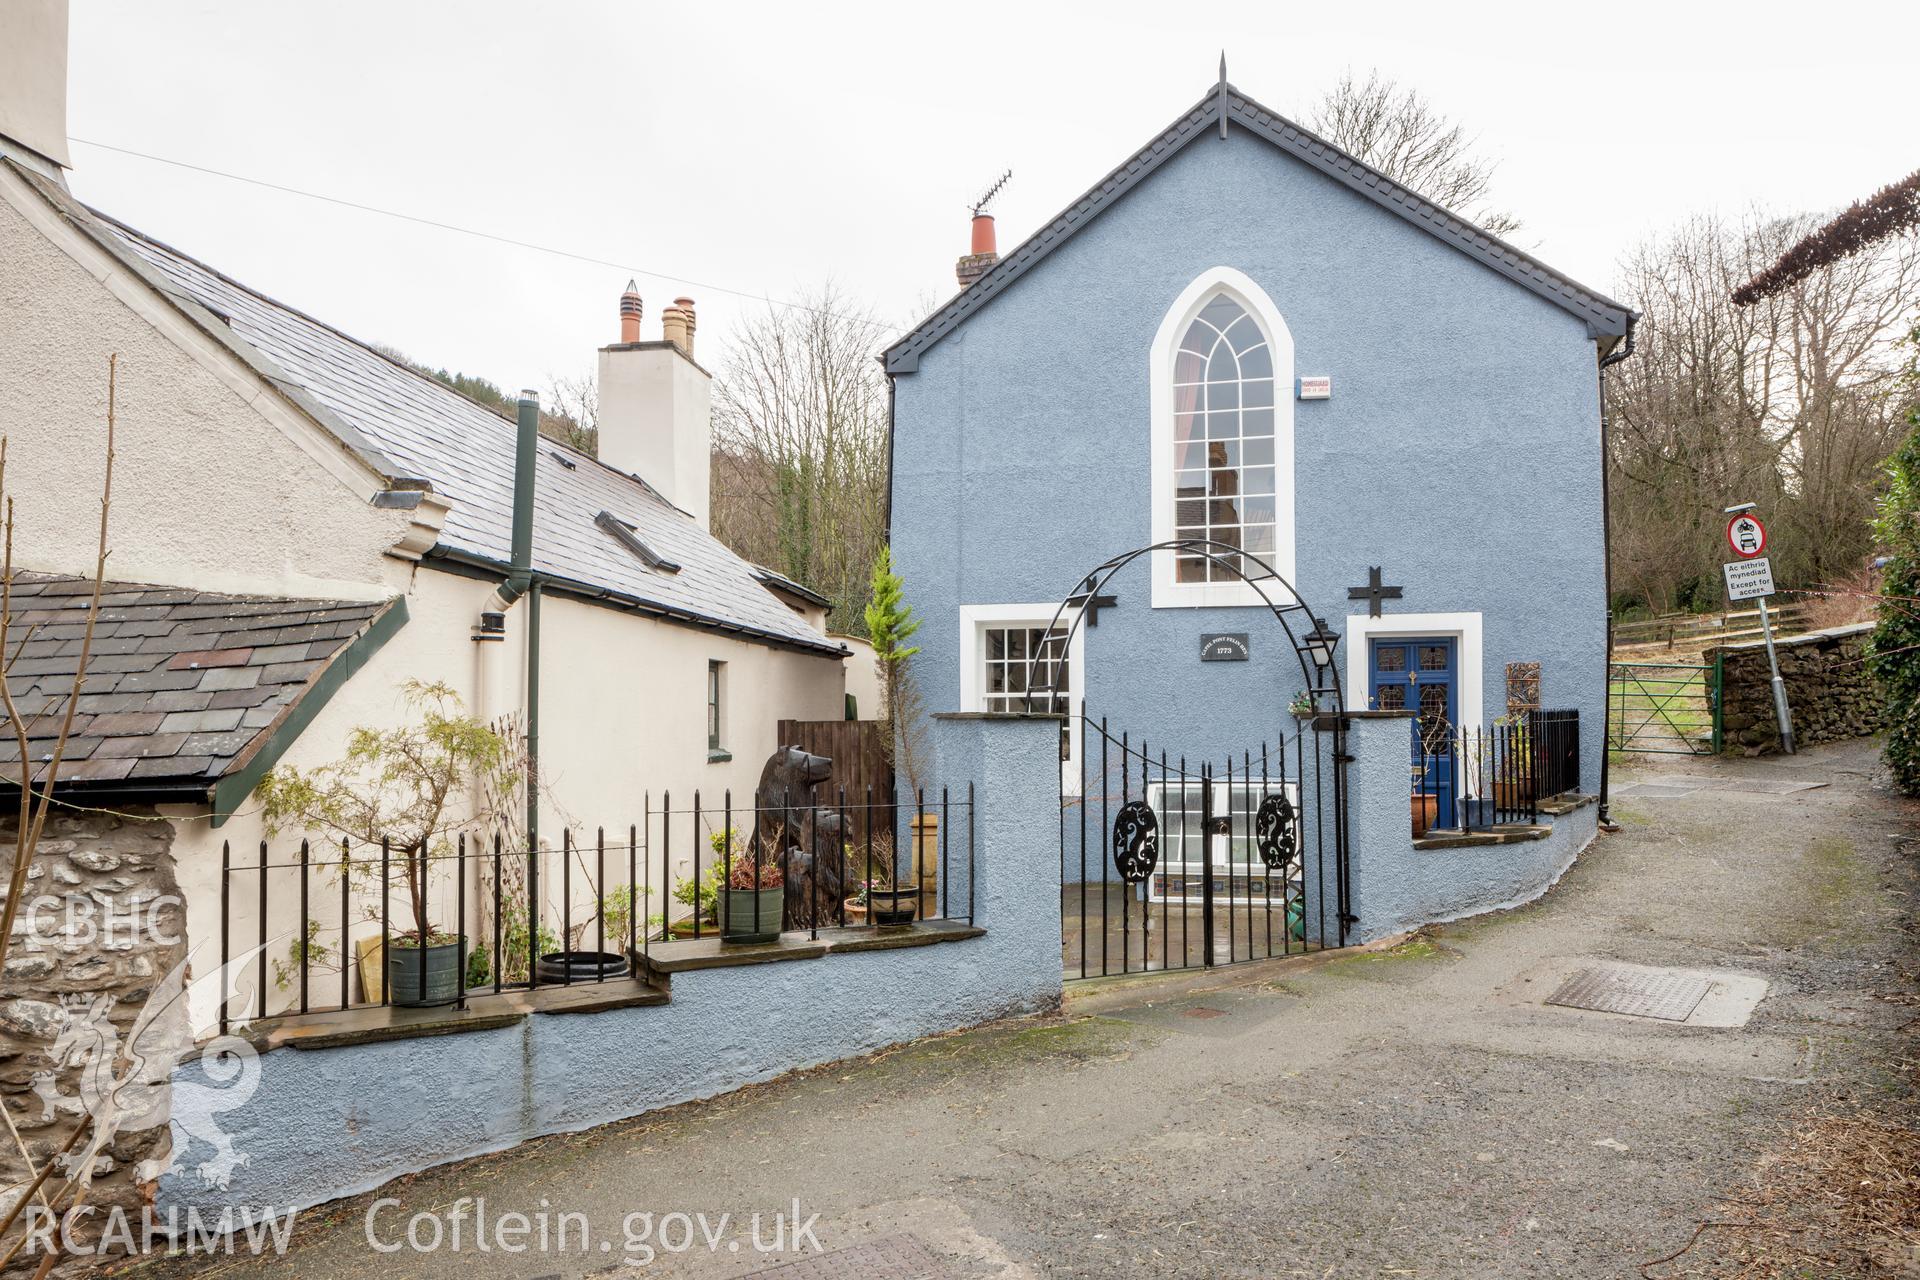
[(800, 446), (570, 412), (1794, 402), (1397, 131)]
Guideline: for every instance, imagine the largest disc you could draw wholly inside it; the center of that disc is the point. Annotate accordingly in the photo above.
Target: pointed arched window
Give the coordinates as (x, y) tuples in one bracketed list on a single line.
[(1223, 441)]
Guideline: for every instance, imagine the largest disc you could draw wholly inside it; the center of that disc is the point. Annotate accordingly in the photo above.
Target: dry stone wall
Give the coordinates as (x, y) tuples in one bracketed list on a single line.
[(1831, 694), (100, 930)]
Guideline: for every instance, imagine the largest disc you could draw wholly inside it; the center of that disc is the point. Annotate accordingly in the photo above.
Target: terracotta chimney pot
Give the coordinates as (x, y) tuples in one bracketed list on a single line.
[(980, 261), (630, 314), (983, 234)]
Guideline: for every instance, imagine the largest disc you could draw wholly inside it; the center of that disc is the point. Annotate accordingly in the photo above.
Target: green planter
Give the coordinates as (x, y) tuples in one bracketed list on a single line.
[(416, 979), (738, 921)]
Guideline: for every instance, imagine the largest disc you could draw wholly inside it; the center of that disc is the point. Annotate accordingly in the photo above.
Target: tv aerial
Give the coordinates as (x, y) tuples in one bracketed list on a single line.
[(986, 197)]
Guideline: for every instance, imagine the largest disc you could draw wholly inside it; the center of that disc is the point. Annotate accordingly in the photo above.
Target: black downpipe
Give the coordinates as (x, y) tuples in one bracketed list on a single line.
[(1619, 353), (533, 761), (525, 453), (888, 526), (520, 581)]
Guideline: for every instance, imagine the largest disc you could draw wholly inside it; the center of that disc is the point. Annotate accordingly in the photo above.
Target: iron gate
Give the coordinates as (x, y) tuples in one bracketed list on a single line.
[(1167, 863), (1664, 708), (1241, 859)]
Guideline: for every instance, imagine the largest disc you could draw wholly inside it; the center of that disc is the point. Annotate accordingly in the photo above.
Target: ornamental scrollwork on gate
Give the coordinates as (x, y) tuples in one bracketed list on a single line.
[(1273, 827), (1136, 841)]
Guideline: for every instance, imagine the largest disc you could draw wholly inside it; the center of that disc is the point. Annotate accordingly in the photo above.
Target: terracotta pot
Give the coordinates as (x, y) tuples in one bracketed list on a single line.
[(1515, 793), (1426, 811)]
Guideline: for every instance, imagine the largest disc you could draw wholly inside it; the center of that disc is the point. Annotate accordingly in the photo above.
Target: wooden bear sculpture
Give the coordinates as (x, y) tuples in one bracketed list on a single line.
[(805, 838)]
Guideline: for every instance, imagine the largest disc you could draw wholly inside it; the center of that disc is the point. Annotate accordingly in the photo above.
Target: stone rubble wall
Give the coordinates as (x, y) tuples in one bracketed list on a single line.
[(1830, 693), (101, 928)]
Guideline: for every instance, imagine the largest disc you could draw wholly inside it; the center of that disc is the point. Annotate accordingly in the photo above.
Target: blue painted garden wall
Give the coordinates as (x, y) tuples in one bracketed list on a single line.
[(1460, 449)]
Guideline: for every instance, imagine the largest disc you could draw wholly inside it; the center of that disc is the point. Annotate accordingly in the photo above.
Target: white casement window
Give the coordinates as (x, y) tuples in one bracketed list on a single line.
[(1222, 442), (1016, 658), (1231, 857)]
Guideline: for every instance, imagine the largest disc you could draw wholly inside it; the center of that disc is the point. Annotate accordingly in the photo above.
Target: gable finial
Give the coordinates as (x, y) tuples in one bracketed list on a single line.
[(1223, 95)]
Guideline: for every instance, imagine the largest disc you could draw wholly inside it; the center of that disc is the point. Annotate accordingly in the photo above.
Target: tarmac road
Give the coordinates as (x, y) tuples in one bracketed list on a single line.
[(1416, 1112)]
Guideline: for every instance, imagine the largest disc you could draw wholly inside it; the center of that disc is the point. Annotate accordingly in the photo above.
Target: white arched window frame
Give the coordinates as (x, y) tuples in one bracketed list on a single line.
[(1168, 590)]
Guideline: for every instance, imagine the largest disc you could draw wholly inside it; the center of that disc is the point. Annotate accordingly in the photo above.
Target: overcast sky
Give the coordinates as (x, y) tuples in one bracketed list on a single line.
[(764, 148)]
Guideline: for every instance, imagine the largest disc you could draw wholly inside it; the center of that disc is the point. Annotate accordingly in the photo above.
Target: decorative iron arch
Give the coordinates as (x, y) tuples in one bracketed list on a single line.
[(1204, 548)]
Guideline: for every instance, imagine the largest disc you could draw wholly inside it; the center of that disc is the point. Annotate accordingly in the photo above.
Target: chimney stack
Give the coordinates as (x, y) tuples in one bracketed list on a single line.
[(981, 257), (656, 407), (630, 315), (33, 86)]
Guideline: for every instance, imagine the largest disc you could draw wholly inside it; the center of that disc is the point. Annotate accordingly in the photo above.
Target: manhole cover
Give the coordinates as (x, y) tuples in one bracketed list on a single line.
[(900, 1257), (1671, 996)]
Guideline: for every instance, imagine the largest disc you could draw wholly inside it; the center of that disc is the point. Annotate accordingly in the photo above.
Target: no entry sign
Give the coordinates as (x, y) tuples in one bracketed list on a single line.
[(1746, 535)]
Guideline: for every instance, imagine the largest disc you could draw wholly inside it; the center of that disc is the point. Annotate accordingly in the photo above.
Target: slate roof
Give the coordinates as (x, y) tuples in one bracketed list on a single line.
[(182, 686), (413, 428), (1604, 316)]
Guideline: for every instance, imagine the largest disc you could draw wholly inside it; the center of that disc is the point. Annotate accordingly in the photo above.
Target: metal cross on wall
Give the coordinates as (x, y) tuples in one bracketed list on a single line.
[(1373, 593), (1085, 598)]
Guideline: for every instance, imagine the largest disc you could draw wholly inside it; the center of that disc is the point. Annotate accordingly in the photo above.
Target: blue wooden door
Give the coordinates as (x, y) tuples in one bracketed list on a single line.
[(1422, 675)]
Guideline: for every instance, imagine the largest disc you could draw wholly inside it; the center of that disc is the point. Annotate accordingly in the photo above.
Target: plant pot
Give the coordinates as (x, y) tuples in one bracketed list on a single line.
[(751, 915), (856, 911), (420, 977), (893, 908), (560, 967), (1426, 811), (1513, 794), (1476, 815)]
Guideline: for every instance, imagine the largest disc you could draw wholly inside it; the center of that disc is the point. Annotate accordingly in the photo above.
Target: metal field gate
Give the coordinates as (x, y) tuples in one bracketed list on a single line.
[(1169, 863), (1664, 708)]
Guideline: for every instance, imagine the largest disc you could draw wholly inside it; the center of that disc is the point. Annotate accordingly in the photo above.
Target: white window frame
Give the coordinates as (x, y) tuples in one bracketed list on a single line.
[(1247, 873), (1168, 593), (974, 621)]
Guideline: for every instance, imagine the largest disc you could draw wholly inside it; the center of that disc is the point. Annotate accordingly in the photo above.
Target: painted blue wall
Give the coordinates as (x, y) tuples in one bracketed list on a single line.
[(1460, 449), (331, 1122), (1394, 887)]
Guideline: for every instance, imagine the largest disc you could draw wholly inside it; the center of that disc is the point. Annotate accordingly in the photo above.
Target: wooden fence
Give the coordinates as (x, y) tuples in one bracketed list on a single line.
[(1697, 630), (859, 762)]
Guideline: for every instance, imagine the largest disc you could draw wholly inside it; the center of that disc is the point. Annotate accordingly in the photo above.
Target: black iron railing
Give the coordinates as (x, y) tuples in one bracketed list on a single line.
[(338, 926), (1477, 779)]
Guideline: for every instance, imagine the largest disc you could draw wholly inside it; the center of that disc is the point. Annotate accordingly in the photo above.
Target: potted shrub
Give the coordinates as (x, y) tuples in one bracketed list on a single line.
[(402, 785), (1513, 768), (701, 898), (867, 869), (753, 900)]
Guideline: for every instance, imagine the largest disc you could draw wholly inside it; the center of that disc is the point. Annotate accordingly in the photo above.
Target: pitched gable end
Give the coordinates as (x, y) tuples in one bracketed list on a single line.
[(1605, 318)]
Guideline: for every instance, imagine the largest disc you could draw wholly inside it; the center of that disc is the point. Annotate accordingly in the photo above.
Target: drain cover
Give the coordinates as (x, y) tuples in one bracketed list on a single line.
[(900, 1257), (1641, 994)]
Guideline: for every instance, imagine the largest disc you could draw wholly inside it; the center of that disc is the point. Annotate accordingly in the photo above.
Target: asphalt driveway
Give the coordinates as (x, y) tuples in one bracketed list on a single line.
[(1414, 1112)]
